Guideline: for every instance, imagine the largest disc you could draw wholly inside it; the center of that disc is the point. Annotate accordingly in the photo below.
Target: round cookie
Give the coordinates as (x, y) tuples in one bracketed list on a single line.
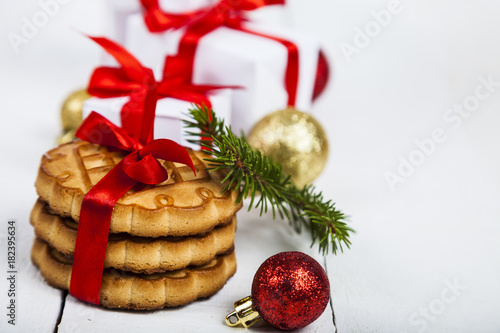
[(183, 205), (137, 254), (139, 291)]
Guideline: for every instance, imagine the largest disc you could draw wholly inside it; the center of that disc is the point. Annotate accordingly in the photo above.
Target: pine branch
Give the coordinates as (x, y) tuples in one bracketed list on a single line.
[(260, 178)]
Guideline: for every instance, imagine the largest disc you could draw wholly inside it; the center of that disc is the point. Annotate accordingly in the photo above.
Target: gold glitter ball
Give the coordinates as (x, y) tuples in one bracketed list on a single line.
[(295, 140), (71, 114)]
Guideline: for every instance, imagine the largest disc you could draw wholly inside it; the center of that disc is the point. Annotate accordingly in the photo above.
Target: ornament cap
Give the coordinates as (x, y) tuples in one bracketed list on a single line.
[(243, 313)]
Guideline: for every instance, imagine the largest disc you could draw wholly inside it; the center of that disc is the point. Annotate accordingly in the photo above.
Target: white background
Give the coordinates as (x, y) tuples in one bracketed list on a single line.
[(438, 228)]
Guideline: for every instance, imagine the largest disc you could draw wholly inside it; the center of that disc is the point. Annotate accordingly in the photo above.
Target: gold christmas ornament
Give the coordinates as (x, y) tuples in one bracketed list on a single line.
[(71, 114), (66, 137), (294, 139)]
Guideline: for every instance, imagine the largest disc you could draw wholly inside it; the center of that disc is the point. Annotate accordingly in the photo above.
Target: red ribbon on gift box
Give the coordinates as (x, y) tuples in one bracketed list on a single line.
[(134, 80), (228, 13), (139, 166)]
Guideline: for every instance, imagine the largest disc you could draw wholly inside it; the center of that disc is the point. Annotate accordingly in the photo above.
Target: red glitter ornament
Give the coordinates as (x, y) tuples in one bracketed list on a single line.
[(290, 290), (322, 75)]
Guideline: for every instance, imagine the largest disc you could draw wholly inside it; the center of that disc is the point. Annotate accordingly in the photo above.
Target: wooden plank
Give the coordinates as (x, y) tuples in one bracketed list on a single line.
[(37, 304), (426, 258), (256, 240)]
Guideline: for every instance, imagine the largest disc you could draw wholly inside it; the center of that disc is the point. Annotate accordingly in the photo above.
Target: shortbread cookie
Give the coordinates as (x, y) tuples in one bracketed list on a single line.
[(137, 254), (124, 290), (183, 205)]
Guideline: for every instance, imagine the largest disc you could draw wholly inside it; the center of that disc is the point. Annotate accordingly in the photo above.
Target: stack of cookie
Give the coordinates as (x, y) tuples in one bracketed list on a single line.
[(169, 244)]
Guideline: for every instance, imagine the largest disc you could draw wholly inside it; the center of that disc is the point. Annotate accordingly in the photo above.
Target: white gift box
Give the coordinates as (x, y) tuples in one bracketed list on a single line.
[(120, 10), (230, 57), (170, 113)]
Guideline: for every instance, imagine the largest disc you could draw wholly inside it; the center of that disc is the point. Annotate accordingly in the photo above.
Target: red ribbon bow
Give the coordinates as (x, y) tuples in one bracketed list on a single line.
[(138, 82), (229, 13), (140, 166), (131, 79)]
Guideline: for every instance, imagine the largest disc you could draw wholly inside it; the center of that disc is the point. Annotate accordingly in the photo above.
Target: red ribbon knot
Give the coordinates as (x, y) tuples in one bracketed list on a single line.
[(139, 166), (134, 80)]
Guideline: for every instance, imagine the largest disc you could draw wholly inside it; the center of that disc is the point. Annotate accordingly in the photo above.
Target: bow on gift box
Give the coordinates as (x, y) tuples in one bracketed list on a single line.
[(228, 13), (158, 20), (139, 166), (138, 82)]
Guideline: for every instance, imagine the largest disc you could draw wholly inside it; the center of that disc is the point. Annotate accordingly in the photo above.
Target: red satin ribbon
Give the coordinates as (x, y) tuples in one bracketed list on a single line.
[(140, 166), (227, 13), (322, 75), (157, 20), (131, 79), (138, 82)]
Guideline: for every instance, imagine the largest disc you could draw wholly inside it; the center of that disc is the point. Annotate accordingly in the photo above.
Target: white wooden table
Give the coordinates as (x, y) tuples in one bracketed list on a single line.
[(426, 254)]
